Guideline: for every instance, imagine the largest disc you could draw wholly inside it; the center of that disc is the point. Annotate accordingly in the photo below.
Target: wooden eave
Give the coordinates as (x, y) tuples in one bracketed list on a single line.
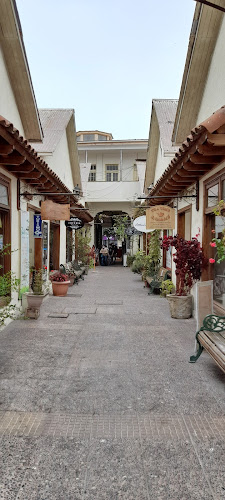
[(203, 150), (203, 38), (19, 158), (11, 40)]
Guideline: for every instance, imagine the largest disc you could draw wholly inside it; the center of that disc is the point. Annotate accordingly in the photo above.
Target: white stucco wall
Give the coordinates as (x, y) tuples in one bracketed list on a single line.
[(162, 163), (112, 191), (59, 162), (8, 106), (100, 159), (214, 93)]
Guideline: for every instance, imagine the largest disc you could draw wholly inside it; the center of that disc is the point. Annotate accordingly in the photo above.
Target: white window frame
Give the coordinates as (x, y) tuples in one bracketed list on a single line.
[(92, 174), (110, 170)]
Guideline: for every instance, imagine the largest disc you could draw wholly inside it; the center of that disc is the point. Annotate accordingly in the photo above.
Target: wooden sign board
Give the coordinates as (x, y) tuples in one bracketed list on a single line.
[(160, 217), (54, 211)]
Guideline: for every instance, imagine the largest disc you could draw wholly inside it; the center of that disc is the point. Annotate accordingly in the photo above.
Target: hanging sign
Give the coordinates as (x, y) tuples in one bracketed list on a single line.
[(160, 217), (140, 224), (74, 223), (54, 211), (37, 226)]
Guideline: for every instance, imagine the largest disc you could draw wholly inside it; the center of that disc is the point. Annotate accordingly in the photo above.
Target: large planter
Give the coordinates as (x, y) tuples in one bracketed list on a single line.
[(60, 288), (180, 306), (34, 301), (86, 269)]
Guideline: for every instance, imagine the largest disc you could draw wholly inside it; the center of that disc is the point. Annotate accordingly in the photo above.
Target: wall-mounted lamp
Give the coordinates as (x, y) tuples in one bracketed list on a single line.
[(150, 187), (76, 190)]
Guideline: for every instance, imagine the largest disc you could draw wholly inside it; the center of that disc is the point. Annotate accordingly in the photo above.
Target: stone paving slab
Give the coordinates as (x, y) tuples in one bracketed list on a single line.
[(112, 426), (106, 405)]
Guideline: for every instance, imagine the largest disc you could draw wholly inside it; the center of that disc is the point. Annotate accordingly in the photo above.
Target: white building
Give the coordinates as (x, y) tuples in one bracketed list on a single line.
[(195, 177), (114, 171), (25, 177)]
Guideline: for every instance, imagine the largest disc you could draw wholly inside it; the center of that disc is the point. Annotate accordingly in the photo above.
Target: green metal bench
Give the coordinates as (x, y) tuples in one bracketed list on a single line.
[(155, 282), (211, 337)]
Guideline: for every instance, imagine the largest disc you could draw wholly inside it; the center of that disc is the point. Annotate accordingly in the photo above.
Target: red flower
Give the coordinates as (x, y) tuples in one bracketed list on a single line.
[(212, 261), (212, 244)]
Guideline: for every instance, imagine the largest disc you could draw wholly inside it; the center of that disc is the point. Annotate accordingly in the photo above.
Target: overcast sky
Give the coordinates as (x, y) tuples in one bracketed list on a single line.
[(107, 60)]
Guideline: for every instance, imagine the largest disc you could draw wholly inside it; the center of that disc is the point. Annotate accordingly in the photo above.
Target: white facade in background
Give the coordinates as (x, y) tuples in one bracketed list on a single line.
[(116, 173)]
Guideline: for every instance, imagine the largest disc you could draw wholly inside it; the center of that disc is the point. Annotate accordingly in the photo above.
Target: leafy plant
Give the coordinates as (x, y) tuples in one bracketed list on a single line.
[(167, 287), (219, 243), (59, 277), (8, 283), (154, 247), (130, 260), (138, 263), (37, 284), (189, 260), (120, 224), (83, 247)]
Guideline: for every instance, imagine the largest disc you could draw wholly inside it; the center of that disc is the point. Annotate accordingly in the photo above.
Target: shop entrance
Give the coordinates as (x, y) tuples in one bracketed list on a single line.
[(107, 236)]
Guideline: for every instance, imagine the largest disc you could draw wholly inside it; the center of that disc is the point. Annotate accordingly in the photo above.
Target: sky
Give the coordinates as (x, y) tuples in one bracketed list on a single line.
[(107, 60)]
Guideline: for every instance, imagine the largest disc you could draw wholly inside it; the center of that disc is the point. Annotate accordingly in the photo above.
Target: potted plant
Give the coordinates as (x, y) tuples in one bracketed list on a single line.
[(60, 284), (35, 297), (190, 261)]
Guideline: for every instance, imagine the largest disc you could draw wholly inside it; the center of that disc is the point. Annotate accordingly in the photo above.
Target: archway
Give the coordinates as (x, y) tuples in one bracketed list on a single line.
[(107, 224)]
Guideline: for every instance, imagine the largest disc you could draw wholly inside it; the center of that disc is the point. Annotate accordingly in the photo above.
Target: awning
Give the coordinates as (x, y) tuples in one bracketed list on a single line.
[(203, 149), (20, 159)]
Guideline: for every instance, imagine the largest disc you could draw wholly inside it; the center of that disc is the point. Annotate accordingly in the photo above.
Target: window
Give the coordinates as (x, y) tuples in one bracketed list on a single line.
[(213, 195), (112, 173), (88, 137), (92, 174), (102, 137)]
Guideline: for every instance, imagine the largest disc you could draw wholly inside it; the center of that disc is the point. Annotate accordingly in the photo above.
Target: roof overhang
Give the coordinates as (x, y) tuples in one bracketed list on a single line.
[(204, 33), (152, 152), (73, 151), (203, 150), (19, 158), (11, 40)]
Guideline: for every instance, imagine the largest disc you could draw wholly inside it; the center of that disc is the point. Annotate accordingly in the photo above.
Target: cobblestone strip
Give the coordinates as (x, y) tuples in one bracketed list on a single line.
[(130, 426)]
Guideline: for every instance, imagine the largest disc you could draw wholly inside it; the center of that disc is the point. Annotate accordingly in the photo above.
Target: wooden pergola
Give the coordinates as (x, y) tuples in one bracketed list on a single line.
[(19, 158)]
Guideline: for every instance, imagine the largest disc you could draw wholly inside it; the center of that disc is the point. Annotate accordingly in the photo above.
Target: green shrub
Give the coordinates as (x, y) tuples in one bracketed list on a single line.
[(130, 260), (167, 288)]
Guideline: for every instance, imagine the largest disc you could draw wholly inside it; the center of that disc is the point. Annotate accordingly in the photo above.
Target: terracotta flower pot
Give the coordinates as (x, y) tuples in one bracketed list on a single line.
[(180, 306), (34, 301), (60, 288)]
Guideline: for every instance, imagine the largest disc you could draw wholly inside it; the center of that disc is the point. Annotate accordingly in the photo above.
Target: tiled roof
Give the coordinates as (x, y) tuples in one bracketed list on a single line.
[(166, 112), (54, 123), (28, 161), (202, 150)]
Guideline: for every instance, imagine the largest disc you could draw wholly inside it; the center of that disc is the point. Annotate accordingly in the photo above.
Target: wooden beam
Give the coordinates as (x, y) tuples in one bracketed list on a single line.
[(19, 168), (12, 159), (201, 159), (31, 175), (206, 149), (217, 139), (180, 179), (191, 167), (5, 149)]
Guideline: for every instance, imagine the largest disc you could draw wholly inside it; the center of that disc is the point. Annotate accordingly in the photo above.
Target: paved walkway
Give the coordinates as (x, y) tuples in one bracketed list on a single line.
[(103, 404)]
